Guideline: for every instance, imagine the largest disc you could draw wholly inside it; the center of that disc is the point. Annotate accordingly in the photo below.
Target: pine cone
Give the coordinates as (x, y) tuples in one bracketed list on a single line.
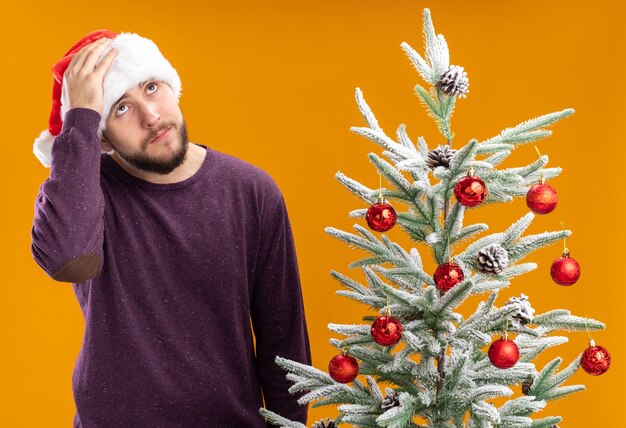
[(492, 259), (454, 82), (392, 399), (526, 385), (440, 156), (325, 423), (525, 313)]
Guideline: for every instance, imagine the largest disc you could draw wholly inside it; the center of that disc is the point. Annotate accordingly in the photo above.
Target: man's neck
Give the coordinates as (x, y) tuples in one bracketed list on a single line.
[(192, 163)]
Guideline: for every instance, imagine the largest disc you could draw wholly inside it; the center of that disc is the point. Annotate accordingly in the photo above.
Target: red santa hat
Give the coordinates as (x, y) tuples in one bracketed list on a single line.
[(137, 60)]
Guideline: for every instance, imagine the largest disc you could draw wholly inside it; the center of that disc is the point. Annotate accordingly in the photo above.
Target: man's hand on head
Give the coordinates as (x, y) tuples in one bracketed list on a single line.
[(84, 78)]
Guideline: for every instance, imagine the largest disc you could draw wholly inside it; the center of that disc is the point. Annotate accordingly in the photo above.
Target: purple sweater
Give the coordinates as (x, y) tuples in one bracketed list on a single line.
[(172, 279)]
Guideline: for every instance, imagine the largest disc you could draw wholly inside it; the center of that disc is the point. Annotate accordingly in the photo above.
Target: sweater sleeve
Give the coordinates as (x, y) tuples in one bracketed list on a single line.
[(68, 226), (277, 314)]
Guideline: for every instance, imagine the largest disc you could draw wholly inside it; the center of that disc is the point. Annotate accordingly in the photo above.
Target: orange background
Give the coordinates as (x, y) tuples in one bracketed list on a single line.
[(273, 83)]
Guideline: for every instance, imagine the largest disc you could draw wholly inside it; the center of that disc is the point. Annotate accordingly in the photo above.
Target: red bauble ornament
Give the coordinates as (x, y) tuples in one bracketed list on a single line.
[(447, 276), (542, 198), (596, 360), (565, 270), (381, 216), (386, 330), (470, 190), (503, 353), (343, 368)]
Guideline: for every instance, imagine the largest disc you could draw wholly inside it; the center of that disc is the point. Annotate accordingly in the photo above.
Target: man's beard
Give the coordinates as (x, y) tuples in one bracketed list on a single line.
[(159, 165)]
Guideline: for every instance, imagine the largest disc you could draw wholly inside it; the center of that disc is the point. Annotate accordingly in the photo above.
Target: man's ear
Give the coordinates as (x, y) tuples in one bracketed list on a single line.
[(105, 144)]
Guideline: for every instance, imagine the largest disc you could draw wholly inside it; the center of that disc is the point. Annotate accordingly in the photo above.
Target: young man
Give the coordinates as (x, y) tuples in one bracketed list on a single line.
[(174, 250)]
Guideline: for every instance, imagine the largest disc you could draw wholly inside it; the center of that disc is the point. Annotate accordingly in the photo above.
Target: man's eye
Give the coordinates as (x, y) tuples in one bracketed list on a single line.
[(119, 109), (152, 85)]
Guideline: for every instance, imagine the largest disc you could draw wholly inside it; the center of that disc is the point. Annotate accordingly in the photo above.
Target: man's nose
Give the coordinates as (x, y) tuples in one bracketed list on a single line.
[(149, 114)]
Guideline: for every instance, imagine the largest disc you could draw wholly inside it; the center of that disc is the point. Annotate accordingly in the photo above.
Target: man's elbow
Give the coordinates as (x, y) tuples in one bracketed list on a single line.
[(79, 269)]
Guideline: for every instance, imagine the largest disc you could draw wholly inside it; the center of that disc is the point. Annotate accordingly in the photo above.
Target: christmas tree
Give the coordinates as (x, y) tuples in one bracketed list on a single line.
[(439, 368)]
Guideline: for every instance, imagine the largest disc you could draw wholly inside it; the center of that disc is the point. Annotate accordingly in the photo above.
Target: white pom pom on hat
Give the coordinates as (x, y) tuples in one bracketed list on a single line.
[(138, 60)]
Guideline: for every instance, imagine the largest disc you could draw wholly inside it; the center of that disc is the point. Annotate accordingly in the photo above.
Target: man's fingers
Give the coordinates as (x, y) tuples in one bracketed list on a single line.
[(76, 57), (106, 62), (91, 57), (80, 56), (85, 77)]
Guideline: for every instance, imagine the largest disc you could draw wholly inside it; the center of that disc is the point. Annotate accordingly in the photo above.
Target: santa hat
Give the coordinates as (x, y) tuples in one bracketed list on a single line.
[(137, 60)]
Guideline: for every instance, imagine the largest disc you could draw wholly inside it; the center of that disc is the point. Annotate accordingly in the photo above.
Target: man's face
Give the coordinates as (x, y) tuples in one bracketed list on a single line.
[(146, 128)]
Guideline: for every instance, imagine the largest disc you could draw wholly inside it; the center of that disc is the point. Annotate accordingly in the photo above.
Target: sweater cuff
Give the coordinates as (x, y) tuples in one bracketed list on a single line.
[(83, 118)]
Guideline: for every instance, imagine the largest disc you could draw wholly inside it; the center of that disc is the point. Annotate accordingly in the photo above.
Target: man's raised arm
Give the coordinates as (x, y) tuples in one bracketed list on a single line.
[(68, 225)]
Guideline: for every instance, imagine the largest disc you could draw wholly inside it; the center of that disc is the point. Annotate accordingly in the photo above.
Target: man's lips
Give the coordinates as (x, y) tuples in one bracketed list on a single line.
[(161, 135)]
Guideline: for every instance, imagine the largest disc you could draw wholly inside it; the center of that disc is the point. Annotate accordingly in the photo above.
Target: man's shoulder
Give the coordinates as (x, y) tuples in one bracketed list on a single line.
[(244, 173)]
